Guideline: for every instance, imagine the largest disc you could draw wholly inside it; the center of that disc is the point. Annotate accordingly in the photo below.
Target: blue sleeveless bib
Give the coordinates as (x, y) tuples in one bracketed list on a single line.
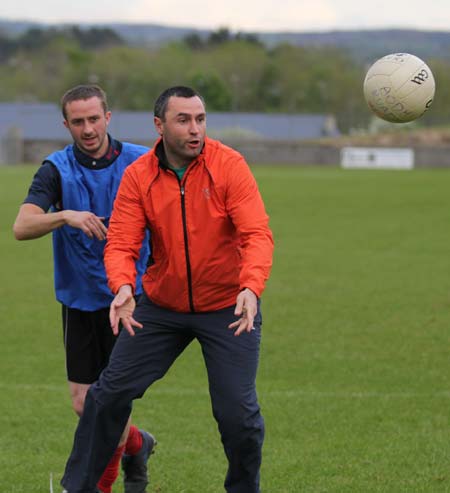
[(80, 278)]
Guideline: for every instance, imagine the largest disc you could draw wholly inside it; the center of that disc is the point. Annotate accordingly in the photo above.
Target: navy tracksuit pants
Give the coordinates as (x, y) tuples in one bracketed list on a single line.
[(136, 362)]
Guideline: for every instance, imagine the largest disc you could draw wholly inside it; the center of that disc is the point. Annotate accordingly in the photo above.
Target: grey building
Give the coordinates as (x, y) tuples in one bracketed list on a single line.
[(30, 131)]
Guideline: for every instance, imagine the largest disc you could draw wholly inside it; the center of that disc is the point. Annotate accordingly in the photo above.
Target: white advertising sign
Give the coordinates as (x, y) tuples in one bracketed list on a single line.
[(377, 158)]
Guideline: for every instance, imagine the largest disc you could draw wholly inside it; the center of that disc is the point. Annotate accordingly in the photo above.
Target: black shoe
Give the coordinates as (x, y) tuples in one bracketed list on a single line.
[(135, 466)]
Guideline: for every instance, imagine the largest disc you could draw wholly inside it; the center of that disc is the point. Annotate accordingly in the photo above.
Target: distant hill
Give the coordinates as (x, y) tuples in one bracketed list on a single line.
[(363, 45), (367, 45), (136, 34)]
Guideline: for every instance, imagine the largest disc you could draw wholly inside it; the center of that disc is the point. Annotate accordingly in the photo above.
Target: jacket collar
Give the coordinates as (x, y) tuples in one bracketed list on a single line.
[(158, 160)]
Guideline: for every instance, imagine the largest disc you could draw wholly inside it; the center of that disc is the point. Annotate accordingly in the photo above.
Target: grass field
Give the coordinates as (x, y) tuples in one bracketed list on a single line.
[(354, 374)]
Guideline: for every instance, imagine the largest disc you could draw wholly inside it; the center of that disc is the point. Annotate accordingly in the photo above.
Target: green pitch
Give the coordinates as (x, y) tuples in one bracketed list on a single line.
[(354, 374)]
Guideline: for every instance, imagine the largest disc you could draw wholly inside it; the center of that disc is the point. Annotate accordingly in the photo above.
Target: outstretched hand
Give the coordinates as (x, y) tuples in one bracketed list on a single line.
[(246, 308), (121, 310)]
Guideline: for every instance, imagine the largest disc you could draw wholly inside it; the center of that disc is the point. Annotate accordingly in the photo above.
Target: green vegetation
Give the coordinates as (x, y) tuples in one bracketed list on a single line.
[(234, 72), (353, 378)]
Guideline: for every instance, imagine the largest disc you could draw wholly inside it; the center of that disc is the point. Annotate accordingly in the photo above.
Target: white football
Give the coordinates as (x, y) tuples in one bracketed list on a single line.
[(399, 88)]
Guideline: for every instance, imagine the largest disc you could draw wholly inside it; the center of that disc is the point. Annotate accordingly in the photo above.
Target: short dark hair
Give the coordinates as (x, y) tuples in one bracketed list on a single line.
[(177, 91), (83, 91)]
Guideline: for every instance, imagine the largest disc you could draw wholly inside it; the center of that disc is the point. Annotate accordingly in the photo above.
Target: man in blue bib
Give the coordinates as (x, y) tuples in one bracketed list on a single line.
[(78, 184)]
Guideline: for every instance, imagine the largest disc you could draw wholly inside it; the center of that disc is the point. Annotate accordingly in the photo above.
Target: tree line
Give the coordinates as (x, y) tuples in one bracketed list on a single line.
[(234, 72)]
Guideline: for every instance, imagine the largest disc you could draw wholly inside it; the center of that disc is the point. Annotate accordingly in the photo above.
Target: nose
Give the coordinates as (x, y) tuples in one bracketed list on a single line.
[(194, 128), (88, 128)]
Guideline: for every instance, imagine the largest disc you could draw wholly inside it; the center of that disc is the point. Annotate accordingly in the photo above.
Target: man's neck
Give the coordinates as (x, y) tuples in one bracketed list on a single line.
[(166, 160), (108, 157), (175, 162)]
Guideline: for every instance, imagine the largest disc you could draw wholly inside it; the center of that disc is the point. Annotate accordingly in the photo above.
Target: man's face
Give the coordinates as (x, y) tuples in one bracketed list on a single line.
[(87, 122), (182, 129)]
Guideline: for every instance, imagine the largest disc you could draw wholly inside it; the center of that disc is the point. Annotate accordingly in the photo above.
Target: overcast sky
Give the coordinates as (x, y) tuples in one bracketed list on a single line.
[(246, 15)]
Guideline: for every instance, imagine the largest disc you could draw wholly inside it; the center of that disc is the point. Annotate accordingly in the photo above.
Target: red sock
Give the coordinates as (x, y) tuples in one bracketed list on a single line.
[(111, 472), (134, 441)]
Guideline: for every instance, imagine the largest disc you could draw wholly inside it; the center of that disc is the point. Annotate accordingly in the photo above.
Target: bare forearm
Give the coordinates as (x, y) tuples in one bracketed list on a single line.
[(34, 225)]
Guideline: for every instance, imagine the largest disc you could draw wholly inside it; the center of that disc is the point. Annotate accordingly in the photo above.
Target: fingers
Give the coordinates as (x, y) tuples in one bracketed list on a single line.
[(91, 225), (244, 324), (113, 319), (246, 308), (239, 306), (121, 311), (128, 327), (129, 323), (136, 323), (95, 227)]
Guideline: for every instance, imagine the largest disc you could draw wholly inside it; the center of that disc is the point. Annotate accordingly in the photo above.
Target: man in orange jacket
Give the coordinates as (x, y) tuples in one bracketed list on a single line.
[(211, 255)]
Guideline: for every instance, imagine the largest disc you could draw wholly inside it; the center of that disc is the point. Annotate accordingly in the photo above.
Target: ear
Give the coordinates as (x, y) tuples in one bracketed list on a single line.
[(66, 123), (108, 117), (158, 125)]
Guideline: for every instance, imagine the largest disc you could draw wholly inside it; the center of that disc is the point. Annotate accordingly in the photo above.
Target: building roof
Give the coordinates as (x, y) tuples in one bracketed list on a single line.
[(43, 121)]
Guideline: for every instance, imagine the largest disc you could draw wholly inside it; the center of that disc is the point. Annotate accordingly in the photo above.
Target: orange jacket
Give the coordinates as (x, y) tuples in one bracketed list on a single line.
[(209, 234)]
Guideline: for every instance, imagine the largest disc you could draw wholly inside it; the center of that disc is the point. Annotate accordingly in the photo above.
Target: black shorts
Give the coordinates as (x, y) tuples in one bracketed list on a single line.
[(88, 341)]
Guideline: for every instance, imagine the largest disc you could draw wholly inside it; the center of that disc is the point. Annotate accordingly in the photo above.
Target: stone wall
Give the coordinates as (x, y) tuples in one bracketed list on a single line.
[(15, 151), (301, 153), (265, 152)]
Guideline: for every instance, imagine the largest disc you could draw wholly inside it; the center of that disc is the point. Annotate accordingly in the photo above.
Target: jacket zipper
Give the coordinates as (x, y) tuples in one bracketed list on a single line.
[(186, 249)]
